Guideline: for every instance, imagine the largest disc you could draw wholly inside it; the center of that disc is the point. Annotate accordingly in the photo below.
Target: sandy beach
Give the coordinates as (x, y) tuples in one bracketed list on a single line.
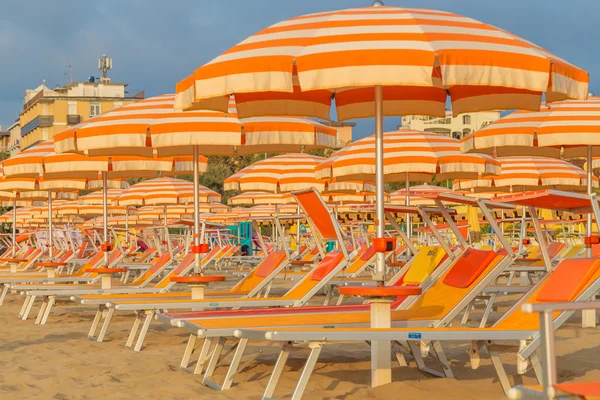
[(57, 361)]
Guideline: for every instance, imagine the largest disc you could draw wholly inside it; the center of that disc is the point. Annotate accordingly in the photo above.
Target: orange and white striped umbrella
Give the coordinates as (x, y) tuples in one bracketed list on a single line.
[(569, 126), (421, 155), (417, 195), (42, 160), (96, 198), (75, 208), (154, 123), (279, 174), (163, 191), (260, 198), (421, 56), (530, 173), (28, 171)]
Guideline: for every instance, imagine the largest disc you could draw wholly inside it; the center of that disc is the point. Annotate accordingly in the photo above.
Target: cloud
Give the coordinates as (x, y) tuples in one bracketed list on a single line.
[(155, 43)]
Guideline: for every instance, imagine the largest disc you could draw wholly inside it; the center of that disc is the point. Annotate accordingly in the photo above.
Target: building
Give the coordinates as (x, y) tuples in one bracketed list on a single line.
[(456, 127), (14, 141), (344, 132), (4, 139), (47, 112)]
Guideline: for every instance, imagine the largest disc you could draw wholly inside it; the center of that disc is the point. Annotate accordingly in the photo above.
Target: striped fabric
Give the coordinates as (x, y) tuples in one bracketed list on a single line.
[(260, 198), (530, 173), (165, 191), (422, 155), (417, 194), (279, 174), (568, 125), (420, 56), (95, 198), (40, 168), (75, 208), (137, 128)]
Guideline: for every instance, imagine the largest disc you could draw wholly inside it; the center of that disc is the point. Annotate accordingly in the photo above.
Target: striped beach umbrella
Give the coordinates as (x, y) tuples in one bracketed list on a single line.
[(279, 174), (422, 56), (408, 156), (380, 61), (165, 191), (529, 173), (260, 198)]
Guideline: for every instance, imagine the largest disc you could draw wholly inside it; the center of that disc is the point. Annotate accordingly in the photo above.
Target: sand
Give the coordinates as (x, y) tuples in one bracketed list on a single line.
[(57, 361)]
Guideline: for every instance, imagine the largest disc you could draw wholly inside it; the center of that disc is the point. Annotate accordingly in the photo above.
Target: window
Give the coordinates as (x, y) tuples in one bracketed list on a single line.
[(94, 109), (466, 119)]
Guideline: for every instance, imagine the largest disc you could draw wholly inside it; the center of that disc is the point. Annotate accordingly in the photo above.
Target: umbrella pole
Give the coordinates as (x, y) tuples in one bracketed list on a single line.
[(50, 225), (14, 226), (196, 246), (381, 365), (408, 221), (379, 183), (105, 218), (588, 317), (127, 226)]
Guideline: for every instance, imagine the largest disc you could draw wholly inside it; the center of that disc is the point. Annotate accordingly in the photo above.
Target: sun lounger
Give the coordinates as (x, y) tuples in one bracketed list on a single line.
[(573, 280)]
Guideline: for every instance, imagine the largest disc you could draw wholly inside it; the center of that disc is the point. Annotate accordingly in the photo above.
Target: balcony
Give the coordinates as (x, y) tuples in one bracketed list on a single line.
[(73, 119), (41, 121)]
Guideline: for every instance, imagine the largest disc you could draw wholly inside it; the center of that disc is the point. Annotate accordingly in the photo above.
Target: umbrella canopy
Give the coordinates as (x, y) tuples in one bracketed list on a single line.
[(260, 198), (154, 127), (530, 173), (96, 198), (417, 194), (564, 128), (408, 155), (164, 191), (278, 174), (423, 56)]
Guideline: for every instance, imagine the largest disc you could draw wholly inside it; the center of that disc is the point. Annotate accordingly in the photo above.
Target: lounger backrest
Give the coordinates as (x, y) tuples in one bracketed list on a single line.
[(181, 269), (156, 268), (469, 267), (65, 257), (82, 249), (29, 251), (424, 262), (90, 264), (565, 283), (319, 214), (147, 253), (441, 298), (319, 273), (309, 256), (259, 273), (365, 255), (554, 248)]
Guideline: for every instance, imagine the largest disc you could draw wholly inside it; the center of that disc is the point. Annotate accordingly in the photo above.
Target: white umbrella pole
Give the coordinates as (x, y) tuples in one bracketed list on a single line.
[(588, 317), (408, 220), (14, 226), (49, 225), (127, 226), (196, 213), (589, 191), (379, 182), (105, 217)]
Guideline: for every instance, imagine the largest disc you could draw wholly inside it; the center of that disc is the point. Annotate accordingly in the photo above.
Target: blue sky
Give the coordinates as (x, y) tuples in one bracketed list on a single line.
[(154, 43)]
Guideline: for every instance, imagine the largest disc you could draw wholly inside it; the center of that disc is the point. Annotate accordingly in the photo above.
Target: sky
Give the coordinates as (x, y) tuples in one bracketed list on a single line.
[(155, 43)]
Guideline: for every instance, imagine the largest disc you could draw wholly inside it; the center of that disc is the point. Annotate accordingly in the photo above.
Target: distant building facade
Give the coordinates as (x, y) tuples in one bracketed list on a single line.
[(456, 127), (14, 141), (344, 132), (47, 112)]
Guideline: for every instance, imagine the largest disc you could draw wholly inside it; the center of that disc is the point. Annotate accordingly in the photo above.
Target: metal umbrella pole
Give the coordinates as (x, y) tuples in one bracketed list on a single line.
[(196, 247), (105, 245), (14, 225), (379, 183), (49, 225), (408, 220), (588, 317)]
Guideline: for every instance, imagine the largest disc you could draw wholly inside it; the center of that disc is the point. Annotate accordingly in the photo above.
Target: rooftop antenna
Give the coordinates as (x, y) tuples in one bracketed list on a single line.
[(70, 72), (104, 65)]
